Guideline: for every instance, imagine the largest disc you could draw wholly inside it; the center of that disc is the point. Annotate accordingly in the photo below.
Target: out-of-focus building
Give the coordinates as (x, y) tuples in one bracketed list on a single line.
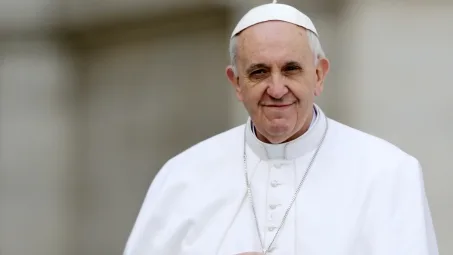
[(95, 95)]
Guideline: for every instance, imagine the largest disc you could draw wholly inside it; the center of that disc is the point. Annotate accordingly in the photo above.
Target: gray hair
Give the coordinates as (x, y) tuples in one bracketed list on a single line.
[(313, 41)]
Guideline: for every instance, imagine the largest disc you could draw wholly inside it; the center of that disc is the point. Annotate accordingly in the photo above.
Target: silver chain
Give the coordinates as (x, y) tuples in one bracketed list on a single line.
[(249, 191)]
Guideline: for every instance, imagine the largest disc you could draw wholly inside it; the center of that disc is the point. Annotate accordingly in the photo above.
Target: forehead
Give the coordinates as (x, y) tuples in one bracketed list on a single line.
[(272, 41)]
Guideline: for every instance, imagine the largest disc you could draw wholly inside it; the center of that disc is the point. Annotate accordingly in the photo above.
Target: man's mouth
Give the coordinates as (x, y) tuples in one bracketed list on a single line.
[(279, 105)]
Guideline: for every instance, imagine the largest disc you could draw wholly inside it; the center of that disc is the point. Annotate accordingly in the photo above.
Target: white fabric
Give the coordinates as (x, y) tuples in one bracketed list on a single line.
[(362, 196), (274, 11)]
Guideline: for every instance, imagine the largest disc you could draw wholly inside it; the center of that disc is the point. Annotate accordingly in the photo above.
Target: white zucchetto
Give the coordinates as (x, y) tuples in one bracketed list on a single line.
[(277, 12)]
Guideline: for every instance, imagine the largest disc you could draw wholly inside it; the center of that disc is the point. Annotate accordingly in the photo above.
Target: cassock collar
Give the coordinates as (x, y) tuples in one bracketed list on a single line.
[(293, 149)]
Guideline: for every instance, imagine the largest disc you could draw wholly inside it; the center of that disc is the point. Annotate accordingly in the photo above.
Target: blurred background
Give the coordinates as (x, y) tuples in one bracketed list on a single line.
[(95, 95)]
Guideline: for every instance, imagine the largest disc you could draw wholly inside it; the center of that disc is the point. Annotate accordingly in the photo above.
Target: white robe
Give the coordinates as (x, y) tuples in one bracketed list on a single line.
[(363, 196)]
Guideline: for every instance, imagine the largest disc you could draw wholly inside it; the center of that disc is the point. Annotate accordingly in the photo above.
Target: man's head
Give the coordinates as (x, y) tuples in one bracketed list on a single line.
[(277, 68)]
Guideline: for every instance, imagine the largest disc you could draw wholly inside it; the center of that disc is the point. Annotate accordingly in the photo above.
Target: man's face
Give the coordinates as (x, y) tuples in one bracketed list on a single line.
[(277, 79)]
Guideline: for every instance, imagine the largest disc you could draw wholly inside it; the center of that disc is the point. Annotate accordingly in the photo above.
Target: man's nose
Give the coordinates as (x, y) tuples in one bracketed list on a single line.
[(277, 87)]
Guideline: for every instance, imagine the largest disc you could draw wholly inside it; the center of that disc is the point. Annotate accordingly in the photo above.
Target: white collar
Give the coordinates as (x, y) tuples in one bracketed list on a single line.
[(293, 149)]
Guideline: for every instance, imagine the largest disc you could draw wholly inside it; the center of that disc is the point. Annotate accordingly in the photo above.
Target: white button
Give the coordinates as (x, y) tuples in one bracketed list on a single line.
[(271, 228), (275, 184), (273, 206)]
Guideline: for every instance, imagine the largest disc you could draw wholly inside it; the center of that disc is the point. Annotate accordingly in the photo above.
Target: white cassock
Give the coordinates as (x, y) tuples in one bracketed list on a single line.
[(363, 196)]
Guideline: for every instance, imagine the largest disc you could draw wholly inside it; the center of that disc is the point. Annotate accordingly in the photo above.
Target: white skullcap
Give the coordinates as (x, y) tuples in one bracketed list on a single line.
[(277, 12)]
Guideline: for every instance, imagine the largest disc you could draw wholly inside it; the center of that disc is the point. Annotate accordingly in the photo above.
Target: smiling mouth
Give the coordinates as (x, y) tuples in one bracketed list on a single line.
[(279, 105)]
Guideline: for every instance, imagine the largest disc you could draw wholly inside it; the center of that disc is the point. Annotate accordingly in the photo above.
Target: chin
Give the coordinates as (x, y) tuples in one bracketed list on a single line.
[(279, 133), (278, 140), (280, 126)]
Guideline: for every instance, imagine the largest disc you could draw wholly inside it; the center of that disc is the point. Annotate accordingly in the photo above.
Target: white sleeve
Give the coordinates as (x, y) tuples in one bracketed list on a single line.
[(399, 219), (139, 233)]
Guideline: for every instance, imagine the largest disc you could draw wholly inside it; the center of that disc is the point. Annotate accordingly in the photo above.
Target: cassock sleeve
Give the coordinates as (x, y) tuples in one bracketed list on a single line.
[(399, 219), (140, 231)]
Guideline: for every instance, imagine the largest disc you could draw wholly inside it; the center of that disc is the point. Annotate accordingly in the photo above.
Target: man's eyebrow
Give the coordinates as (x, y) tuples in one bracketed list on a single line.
[(292, 63), (253, 67)]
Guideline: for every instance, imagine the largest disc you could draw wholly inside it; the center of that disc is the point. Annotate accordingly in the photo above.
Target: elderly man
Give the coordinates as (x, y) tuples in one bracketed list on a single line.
[(291, 180)]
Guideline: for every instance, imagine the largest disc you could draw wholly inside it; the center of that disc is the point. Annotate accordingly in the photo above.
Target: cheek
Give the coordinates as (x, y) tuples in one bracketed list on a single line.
[(306, 85), (252, 95), (303, 92)]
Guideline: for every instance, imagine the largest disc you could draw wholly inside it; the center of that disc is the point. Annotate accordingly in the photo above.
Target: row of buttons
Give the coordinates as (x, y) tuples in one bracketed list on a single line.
[(272, 221), (270, 218)]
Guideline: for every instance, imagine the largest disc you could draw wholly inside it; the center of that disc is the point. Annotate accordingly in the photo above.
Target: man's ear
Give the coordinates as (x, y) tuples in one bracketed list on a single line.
[(321, 72), (234, 80)]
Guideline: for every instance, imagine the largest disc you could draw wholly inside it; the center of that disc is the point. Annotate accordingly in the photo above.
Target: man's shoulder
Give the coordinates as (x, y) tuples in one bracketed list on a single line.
[(371, 154), (374, 157), (366, 144), (212, 147)]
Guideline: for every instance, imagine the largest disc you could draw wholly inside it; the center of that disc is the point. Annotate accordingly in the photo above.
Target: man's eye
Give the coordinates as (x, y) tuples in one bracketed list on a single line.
[(258, 72), (292, 68)]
